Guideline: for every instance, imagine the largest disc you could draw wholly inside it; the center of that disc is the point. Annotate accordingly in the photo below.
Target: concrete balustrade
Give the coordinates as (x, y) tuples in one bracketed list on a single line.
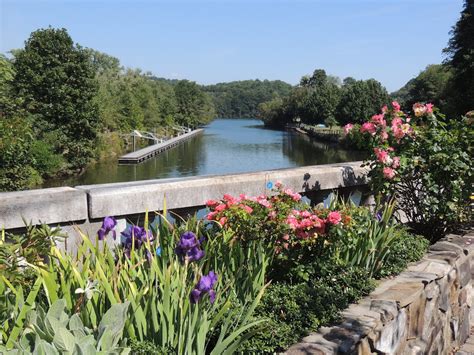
[(88, 204)]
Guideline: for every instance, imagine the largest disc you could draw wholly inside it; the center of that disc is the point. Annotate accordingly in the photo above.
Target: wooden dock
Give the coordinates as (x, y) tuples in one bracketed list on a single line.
[(148, 152)]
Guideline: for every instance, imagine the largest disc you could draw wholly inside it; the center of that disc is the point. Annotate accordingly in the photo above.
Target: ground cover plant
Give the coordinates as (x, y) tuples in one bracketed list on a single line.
[(207, 286)]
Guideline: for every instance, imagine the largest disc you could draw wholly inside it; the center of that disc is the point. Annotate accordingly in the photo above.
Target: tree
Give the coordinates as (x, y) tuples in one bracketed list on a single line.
[(194, 107), (360, 99), (460, 58), (57, 82), (431, 85)]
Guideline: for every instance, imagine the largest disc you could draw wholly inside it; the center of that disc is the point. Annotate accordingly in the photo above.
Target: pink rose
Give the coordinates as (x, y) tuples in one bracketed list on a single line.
[(429, 108), (385, 109), (334, 217), (223, 221), (368, 127), (212, 203), (396, 162), (382, 155), (347, 128), (378, 120), (388, 173), (396, 106), (419, 109)]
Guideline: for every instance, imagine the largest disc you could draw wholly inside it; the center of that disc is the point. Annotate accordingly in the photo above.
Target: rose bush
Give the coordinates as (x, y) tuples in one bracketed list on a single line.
[(424, 161)]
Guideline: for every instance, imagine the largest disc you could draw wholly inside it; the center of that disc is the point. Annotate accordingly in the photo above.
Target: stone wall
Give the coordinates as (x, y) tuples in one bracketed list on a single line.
[(424, 310)]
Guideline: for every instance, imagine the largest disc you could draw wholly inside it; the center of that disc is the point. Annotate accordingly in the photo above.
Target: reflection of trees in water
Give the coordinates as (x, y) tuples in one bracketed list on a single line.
[(304, 150)]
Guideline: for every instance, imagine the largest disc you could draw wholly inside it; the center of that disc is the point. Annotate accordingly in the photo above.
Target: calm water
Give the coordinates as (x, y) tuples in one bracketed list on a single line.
[(226, 146)]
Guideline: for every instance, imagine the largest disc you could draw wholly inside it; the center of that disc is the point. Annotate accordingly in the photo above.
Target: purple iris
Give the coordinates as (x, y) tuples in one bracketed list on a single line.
[(205, 285), (189, 247), (108, 225), (135, 236)]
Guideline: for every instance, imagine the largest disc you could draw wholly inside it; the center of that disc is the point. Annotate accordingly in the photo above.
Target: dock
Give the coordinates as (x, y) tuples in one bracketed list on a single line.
[(155, 149)]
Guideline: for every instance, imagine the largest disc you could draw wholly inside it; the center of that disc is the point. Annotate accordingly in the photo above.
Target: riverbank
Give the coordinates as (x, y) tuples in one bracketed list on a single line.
[(333, 134)]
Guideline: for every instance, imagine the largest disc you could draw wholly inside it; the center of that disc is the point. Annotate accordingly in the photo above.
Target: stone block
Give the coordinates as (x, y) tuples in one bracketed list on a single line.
[(449, 257), (464, 325), (392, 334), (403, 293), (445, 246), (388, 309), (431, 290), (466, 242), (463, 268), (437, 267), (305, 349), (51, 206), (416, 317)]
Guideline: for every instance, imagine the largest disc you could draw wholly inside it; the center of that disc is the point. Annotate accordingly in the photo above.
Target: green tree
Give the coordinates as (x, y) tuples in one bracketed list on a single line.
[(431, 85), (360, 99), (57, 83), (460, 58), (194, 106)]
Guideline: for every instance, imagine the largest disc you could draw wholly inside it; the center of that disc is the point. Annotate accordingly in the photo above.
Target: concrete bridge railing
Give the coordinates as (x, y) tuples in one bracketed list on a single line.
[(86, 206)]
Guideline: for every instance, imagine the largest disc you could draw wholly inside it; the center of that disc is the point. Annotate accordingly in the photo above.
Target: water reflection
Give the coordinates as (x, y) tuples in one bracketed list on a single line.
[(226, 146)]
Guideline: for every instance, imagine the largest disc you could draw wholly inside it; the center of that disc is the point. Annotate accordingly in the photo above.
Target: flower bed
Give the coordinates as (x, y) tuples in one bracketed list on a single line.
[(203, 286)]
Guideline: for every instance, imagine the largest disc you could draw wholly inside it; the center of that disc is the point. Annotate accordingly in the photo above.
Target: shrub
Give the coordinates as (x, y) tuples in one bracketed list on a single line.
[(294, 310), (426, 163)]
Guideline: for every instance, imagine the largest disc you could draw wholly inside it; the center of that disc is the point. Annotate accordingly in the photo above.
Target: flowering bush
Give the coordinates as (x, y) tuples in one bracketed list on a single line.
[(426, 162)]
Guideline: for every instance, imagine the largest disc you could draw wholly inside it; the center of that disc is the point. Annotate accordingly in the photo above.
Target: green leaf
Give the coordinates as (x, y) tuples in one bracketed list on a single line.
[(64, 340)]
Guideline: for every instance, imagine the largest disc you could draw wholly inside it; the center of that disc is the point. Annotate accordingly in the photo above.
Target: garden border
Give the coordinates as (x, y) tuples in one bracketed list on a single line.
[(426, 309)]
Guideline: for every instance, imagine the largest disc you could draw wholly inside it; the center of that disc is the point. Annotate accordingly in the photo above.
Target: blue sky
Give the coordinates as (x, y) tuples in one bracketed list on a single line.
[(217, 41)]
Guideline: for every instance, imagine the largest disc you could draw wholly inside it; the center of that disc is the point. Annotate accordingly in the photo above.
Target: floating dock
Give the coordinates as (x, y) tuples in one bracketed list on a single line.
[(148, 152)]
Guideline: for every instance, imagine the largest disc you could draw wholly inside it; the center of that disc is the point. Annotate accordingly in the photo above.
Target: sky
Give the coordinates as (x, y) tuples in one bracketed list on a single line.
[(219, 41)]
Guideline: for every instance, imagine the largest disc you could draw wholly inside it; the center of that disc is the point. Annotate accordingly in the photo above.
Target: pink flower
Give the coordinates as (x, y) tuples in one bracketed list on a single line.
[(247, 209), (220, 207), (382, 155), (264, 202), (384, 136), (278, 184), (419, 109), (396, 162), (211, 216), (396, 106), (378, 120), (212, 203), (429, 108), (397, 121), (223, 221), (385, 109), (388, 173), (368, 127), (272, 214), (334, 217), (347, 128)]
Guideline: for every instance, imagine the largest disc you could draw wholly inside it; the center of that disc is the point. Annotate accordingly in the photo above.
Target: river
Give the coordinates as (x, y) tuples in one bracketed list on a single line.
[(226, 146)]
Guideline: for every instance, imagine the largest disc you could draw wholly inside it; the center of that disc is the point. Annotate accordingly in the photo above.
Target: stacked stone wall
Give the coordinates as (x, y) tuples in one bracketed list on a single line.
[(424, 310)]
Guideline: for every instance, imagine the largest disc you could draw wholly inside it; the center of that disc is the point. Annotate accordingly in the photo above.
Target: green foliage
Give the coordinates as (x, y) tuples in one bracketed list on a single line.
[(20, 257), (158, 288), (17, 170), (194, 106), (431, 85), (405, 249), (294, 310), (460, 59), (437, 176), (56, 81), (320, 98), (242, 98), (55, 332), (360, 99), (368, 240)]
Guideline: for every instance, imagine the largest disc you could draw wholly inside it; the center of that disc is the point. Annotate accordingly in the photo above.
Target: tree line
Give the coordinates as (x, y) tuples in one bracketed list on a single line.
[(324, 99), (63, 106), (240, 99)]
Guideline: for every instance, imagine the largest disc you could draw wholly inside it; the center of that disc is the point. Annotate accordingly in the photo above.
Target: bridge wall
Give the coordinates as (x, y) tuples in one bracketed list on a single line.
[(86, 206)]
